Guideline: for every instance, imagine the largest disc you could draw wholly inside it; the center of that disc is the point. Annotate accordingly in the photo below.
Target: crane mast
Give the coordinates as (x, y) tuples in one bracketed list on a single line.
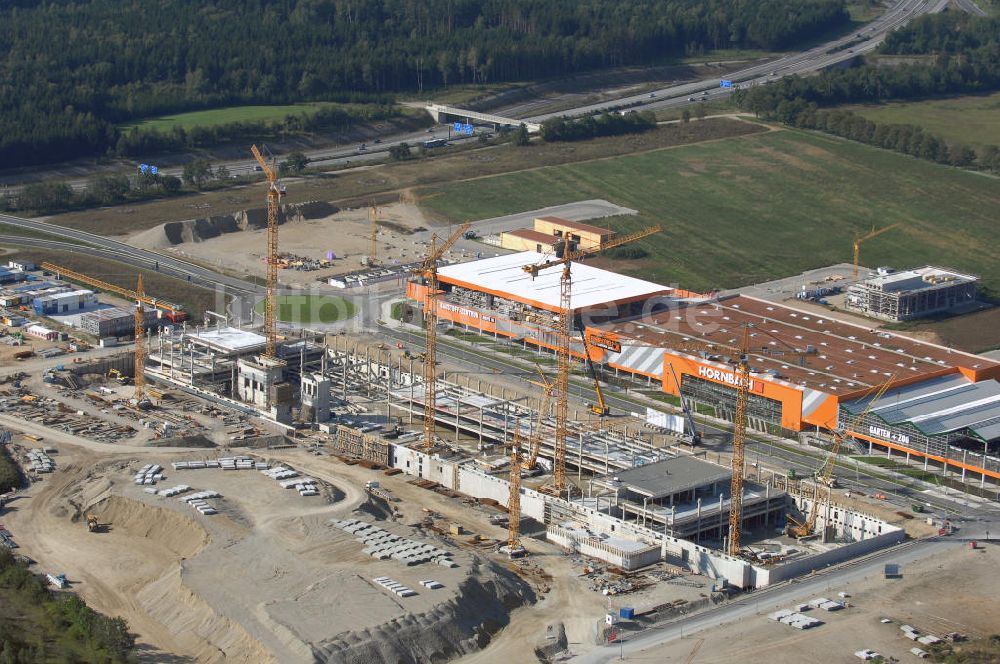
[(429, 268), (739, 440), (140, 342), (535, 442), (514, 500), (271, 297), (563, 330)]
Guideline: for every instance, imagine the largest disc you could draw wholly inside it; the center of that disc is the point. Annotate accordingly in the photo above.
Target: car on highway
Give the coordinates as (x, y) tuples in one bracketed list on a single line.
[(377, 141), (704, 93), (652, 94), (690, 98)]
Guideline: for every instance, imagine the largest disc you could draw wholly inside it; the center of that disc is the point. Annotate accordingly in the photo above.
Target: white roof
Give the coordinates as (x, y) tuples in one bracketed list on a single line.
[(591, 286), (229, 338)]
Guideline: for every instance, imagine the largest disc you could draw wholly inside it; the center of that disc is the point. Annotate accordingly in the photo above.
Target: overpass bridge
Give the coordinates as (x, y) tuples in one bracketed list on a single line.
[(448, 114)]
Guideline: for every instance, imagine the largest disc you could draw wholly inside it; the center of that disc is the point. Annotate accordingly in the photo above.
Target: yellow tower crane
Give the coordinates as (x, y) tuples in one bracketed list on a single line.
[(824, 475), (173, 312), (274, 194), (514, 500), (140, 342), (858, 239), (429, 269), (562, 329)]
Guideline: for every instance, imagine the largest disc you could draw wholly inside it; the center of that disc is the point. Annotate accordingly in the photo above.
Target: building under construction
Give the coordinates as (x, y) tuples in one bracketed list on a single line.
[(912, 294)]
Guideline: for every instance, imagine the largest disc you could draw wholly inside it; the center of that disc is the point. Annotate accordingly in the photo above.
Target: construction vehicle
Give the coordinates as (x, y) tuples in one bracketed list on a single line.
[(562, 329), (535, 441), (92, 523), (173, 312), (692, 436), (858, 239), (824, 474), (119, 376), (600, 408), (428, 268)]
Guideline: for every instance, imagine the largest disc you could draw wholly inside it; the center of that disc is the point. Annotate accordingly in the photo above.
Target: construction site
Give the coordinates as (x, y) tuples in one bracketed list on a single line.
[(241, 490)]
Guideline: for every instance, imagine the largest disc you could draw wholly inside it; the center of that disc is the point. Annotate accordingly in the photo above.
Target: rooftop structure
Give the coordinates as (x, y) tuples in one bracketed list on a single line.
[(948, 418), (525, 239), (672, 476), (912, 294), (227, 339), (503, 276)]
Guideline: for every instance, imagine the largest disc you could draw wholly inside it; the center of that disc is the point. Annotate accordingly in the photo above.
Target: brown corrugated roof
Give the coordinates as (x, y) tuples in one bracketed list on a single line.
[(534, 236), (578, 226)]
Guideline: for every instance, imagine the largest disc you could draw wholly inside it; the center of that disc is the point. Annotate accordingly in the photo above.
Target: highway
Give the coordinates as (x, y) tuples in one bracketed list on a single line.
[(814, 59), (123, 253)]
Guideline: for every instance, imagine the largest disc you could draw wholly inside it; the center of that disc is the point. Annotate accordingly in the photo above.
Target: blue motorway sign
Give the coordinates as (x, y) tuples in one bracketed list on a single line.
[(147, 169), (464, 128), (725, 84)]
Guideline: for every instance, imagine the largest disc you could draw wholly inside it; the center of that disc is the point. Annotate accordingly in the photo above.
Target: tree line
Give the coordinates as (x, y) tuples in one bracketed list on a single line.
[(606, 124), (963, 57), (74, 70), (140, 141), (38, 625)]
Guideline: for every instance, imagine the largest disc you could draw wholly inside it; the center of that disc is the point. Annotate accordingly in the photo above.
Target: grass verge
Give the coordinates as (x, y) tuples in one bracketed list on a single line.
[(222, 116), (311, 309), (970, 119)]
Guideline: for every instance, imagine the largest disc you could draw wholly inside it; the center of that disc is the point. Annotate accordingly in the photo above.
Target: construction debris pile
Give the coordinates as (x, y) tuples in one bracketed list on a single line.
[(40, 462), (56, 415)]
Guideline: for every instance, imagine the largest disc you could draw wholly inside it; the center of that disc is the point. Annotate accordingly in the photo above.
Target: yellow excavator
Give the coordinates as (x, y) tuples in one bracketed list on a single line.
[(119, 376), (92, 523)]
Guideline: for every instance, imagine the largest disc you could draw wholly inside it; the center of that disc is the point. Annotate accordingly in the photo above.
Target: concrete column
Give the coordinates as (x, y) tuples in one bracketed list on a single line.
[(480, 426), (869, 448), (697, 535)]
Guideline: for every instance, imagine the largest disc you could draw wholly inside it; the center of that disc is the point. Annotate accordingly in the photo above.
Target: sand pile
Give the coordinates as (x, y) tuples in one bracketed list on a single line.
[(176, 533), (198, 230)]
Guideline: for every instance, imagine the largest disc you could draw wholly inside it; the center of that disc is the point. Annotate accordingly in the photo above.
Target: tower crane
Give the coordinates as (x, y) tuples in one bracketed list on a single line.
[(173, 312), (429, 268), (742, 355), (140, 343), (824, 474), (858, 239), (514, 500), (562, 329), (274, 194)]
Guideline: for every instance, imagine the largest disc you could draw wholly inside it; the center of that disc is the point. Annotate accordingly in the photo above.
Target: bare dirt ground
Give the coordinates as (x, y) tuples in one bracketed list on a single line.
[(347, 234), (957, 591), (262, 581)]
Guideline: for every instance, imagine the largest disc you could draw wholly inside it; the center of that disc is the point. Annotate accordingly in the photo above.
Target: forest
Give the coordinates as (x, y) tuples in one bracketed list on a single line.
[(74, 70)]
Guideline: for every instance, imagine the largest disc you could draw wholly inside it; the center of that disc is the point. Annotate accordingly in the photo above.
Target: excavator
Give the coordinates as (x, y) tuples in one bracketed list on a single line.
[(92, 524), (600, 408), (119, 376)]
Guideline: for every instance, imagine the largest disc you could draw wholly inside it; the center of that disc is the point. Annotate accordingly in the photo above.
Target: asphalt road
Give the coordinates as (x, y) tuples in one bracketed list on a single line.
[(124, 253)]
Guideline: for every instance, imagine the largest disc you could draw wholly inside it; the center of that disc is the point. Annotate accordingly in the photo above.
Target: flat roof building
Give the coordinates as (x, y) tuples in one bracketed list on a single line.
[(912, 294), (580, 235), (525, 239), (689, 497)]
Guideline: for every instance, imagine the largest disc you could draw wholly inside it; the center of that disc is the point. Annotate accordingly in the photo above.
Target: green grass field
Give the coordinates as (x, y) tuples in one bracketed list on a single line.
[(973, 120), (311, 309), (221, 116), (751, 208)]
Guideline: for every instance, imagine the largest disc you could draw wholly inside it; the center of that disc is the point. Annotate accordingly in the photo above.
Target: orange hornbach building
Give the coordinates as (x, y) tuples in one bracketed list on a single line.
[(808, 370)]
